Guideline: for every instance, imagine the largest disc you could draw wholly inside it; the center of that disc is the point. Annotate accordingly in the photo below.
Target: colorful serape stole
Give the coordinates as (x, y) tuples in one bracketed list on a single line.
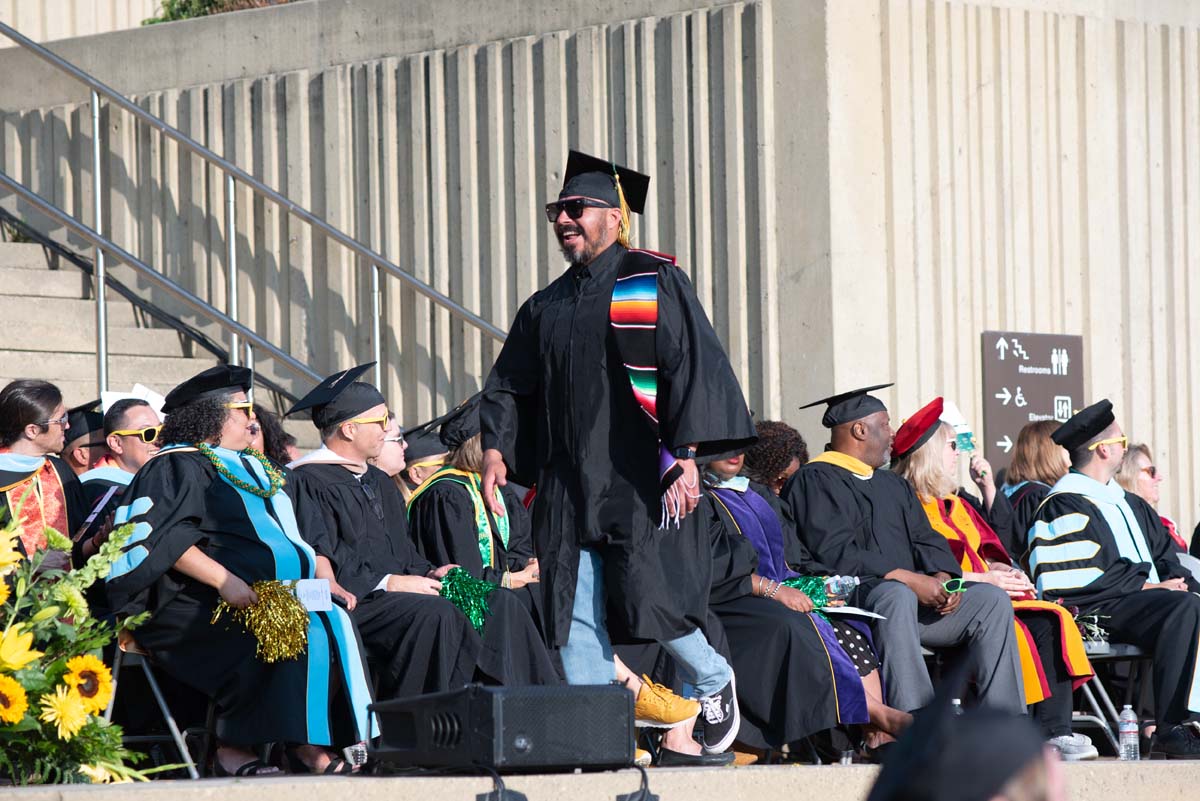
[(633, 314)]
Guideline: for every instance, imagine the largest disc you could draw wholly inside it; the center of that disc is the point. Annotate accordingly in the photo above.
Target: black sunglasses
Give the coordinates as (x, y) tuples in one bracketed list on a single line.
[(574, 207)]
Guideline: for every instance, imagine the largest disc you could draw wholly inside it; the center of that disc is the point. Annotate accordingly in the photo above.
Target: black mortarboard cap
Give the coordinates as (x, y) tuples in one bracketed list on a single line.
[(946, 756), (1085, 425), (462, 423), (220, 380), (422, 445), (84, 419), (846, 407), (588, 176), (339, 397)]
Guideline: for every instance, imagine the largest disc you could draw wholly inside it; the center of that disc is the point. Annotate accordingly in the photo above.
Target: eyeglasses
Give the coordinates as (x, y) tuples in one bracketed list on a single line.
[(147, 435), (60, 421), (398, 438), (246, 406), (953, 443), (1110, 441), (1152, 470), (381, 420), (574, 207)]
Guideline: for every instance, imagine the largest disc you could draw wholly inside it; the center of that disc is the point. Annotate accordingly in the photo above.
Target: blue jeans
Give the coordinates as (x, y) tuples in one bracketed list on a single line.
[(588, 655)]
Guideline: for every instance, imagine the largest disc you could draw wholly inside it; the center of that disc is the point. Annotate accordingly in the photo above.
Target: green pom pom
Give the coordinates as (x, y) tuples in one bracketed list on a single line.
[(469, 594)]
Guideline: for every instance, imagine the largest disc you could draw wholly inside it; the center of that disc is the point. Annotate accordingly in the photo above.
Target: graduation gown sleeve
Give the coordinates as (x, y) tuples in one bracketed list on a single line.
[(520, 530), (1074, 557), (699, 397), (165, 503), (795, 554), (734, 558), (506, 410)]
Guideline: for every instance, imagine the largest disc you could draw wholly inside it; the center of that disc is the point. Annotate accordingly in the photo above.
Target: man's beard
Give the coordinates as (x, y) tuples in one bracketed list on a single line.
[(583, 256)]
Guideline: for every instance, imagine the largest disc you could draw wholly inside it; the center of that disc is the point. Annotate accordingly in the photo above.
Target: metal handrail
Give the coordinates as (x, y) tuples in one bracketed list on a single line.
[(197, 304), (232, 173)]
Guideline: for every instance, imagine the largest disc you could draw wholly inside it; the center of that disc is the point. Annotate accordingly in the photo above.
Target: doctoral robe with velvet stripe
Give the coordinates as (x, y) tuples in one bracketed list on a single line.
[(559, 406), (974, 543), (179, 500)]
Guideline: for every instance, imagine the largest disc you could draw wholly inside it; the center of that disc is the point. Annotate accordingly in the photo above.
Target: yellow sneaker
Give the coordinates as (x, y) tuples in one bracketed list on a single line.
[(641, 757), (660, 708)]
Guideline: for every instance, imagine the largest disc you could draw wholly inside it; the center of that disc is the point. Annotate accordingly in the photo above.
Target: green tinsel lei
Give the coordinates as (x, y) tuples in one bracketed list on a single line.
[(469, 594), (814, 588)]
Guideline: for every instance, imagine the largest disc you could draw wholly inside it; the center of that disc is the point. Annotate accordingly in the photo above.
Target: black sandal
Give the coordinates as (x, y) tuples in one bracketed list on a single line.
[(337, 765), (251, 768)]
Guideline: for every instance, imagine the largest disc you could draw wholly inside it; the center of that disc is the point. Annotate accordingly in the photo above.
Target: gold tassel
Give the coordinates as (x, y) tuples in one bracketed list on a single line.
[(623, 229)]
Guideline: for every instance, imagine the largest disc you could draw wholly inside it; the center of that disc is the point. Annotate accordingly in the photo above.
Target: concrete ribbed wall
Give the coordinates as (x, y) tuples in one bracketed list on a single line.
[(1021, 166), (48, 20), (858, 187)]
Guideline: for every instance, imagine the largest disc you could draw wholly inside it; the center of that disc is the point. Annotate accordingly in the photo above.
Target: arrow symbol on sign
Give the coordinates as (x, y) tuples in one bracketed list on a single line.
[(1002, 346), (1005, 396), (1005, 443)]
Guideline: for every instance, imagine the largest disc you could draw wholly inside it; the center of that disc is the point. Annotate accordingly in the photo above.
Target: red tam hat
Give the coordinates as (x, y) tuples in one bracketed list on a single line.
[(917, 429)]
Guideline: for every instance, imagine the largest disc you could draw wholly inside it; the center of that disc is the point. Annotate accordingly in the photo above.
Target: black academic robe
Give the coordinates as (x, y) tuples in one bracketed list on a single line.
[(864, 527), (416, 643), (1109, 576), (1025, 502), (787, 689), (177, 501), (559, 406)]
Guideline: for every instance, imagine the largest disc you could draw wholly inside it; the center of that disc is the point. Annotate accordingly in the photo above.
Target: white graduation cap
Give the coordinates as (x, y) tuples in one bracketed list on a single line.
[(139, 392), (963, 434)]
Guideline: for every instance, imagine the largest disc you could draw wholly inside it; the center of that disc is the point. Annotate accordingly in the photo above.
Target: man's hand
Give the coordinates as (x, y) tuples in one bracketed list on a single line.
[(439, 573), (793, 599), (1175, 584), (347, 597), (953, 600), (420, 585), (495, 474), (684, 494), (928, 589), (236, 592)]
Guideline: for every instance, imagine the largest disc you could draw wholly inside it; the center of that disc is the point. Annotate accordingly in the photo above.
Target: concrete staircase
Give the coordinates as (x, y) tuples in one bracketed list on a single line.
[(48, 331)]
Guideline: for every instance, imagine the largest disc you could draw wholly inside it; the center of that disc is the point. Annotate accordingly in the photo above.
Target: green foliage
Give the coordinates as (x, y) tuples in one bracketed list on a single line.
[(175, 10)]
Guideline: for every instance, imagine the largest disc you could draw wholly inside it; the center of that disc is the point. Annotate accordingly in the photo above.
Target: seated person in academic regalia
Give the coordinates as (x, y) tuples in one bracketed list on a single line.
[(450, 524), (778, 454), (33, 427), (355, 517), (802, 673), (424, 455), (210, 520), (865, 522), (976, 755), (1053, 660), (1037, 462), (1097, 547), (84, 446)]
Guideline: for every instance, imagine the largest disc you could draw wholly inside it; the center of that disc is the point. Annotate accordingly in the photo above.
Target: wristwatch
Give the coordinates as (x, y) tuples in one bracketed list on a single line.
[(684, 453)]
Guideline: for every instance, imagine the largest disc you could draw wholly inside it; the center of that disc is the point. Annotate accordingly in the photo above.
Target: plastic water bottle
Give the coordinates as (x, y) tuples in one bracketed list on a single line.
[(956, 705), (839, 588), (1131, 747)]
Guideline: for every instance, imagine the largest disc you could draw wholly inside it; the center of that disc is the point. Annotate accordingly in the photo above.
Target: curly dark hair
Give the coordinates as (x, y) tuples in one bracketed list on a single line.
[(275, 438), (778, 443), (199, 421)]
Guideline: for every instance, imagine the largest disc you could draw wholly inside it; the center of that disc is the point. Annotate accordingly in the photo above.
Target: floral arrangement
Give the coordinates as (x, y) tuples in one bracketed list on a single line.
[(54, 688)]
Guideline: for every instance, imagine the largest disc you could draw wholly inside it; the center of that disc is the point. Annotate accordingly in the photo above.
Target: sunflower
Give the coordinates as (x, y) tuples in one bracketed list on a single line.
[(15, 652), (64, 708), (92, 679), (9, 555), (12, 700)]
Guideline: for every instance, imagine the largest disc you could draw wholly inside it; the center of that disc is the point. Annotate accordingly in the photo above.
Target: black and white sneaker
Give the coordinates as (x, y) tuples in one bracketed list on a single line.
[(720, 718)]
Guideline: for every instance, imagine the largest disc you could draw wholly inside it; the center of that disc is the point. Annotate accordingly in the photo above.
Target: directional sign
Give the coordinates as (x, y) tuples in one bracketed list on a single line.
[(1027, 377)]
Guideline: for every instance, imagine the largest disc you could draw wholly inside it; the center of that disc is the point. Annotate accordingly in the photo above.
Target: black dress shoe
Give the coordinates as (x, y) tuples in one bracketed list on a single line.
[(674, 759), (1178, 742)]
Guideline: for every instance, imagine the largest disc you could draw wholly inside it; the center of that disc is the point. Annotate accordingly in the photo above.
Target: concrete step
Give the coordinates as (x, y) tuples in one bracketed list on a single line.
[(23, 255), (121, 313), (80, 337), (157, 372), (64, 283)]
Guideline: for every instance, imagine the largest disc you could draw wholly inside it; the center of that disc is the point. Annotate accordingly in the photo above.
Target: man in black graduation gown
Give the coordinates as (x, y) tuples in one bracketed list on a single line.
[(611, 466), (1097, 547), (354, 515), (866, 522)]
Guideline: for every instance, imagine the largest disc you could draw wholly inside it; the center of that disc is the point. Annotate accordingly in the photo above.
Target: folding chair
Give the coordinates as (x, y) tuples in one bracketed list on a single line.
[(1103, 713), (130, 654)]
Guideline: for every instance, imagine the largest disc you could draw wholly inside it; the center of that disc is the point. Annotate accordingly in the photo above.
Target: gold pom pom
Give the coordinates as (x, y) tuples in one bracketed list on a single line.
[(278, 621)]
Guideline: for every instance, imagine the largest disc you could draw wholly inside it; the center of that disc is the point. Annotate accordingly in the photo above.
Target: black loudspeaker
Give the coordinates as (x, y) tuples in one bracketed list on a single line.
[(509, 728)]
